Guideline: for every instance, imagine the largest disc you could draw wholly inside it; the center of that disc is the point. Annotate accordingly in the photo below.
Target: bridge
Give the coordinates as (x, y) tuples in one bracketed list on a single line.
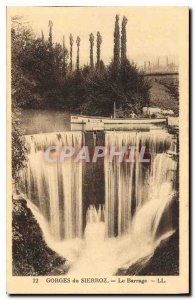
[(160, 74)]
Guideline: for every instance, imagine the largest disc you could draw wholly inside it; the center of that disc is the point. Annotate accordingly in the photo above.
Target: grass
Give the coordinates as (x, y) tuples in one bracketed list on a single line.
[(164, 93)]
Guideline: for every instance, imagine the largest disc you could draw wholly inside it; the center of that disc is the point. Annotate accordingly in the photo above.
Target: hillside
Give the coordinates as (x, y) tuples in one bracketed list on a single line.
[(164, 92)]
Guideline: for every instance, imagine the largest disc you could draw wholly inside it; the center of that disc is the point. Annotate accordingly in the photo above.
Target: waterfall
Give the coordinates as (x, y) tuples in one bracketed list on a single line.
[(131, 186), (137, 197), (55, 188)]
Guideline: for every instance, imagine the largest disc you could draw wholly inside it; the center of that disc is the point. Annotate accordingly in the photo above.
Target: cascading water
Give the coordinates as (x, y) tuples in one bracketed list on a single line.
[(130, 185), (55, 188), (137, 195)]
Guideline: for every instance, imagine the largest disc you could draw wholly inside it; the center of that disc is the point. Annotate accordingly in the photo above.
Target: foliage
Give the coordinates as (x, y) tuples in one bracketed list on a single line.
[(71, 40), (116, 59), (165, 93), (91, 40), (124, 86), (123, 40), (78, 42), (98, 52), (18, 147), (41, 79)]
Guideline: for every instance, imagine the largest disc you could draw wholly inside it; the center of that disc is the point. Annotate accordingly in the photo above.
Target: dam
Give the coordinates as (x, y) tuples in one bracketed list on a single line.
[(89, 123), (101, 201)]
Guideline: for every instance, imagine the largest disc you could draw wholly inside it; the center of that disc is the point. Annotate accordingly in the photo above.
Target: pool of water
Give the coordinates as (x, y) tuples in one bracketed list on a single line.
[(43, 121)]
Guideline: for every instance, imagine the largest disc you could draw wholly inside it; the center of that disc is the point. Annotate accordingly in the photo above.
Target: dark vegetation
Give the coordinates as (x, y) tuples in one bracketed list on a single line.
[(172, 86), (164, 92), (18, 146), (44, 74), (31, 255)]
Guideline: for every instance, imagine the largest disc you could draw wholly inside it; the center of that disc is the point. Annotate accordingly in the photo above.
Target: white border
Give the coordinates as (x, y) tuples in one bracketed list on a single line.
[(3, 4)]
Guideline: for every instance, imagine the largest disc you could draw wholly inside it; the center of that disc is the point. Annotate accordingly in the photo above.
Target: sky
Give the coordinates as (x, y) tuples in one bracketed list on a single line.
[(151, 32)]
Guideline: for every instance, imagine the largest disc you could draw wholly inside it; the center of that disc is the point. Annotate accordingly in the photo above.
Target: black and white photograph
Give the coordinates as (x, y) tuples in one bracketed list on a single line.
[(98, 187)]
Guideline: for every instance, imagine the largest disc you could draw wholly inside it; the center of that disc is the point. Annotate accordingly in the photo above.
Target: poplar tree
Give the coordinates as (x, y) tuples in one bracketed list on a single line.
[(123, 40), (99, 42), (91, 40), (50, 39), (117, 42), (71, 49), (78, 42), (42, 36), (65, 55)]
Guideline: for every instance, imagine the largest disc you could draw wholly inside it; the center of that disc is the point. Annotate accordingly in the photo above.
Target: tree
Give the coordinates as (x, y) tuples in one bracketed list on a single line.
[(91, 40), (78, 41), (40, 79), (50, 39), (65, 57), (42, 36), (123, 41), (18, 147), (58, 56), (22, 86), (71, 50), (37, 70), (117, 43), (129, 90), (99, 42)]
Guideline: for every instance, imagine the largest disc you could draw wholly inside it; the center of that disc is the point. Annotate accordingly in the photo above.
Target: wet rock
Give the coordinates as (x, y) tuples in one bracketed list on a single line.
[(31, 255), (164, 261)]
